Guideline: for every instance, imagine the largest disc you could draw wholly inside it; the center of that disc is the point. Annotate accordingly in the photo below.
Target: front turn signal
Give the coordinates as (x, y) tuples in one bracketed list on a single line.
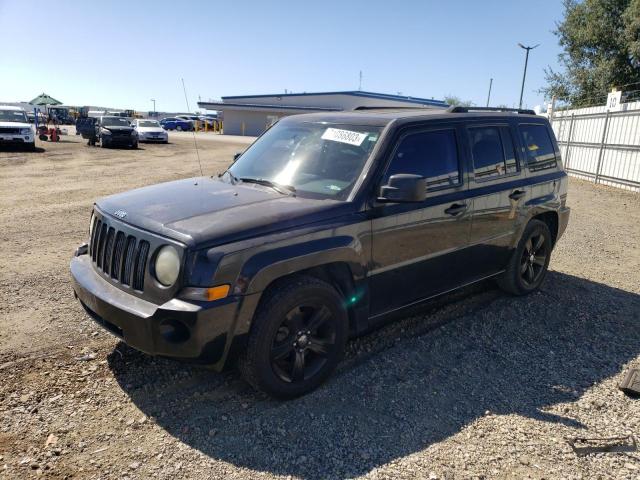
[(206, 294)]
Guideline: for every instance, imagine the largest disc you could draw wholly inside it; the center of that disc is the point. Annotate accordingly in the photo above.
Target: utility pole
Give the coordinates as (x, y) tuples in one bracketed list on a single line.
[(360, 82), (524, 75), (154, 106), (489, 96)]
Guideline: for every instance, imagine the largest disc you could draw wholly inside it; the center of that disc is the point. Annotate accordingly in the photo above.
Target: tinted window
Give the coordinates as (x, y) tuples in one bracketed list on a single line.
[(509, 150), (492, 150), (538, 149), (433, 155)]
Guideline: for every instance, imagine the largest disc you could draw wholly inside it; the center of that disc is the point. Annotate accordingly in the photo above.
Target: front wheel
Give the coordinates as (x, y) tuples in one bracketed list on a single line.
[(529, 261), (179, 128), (297, 339)]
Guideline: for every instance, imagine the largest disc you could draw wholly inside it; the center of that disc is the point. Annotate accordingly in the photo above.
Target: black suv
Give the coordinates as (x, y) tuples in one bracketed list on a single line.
[(108, 130), (322, 228)]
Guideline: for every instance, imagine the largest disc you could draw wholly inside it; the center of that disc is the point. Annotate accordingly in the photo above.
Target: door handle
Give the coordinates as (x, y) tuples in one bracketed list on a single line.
[(517, 194), (455, 209)]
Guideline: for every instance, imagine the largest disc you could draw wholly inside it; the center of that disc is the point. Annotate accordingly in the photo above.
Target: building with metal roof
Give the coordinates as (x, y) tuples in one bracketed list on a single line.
[(253, 114)]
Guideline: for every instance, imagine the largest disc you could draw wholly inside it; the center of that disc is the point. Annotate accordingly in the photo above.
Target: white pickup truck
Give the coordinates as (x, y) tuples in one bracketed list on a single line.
[(15, 128)]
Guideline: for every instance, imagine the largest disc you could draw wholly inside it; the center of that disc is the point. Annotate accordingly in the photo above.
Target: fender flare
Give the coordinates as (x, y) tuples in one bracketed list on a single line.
[(265, 267)]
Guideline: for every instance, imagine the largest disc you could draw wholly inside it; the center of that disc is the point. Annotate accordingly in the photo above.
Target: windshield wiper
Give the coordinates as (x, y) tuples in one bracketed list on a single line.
[(278, 187)]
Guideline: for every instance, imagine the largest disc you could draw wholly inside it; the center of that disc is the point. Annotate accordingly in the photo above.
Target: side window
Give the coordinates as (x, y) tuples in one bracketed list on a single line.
[(488, 152), (509, 150), (538, 148), (433, 155)]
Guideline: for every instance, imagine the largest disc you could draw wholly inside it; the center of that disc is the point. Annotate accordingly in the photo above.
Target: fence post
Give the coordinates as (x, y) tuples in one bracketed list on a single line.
[(568, 149), (601, 153)]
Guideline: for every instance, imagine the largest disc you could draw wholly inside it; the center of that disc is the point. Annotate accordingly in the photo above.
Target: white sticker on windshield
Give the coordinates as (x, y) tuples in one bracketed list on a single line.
[(344, 136)]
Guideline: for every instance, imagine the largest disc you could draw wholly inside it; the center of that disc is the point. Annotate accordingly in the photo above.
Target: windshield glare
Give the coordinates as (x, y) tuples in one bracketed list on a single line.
[(115, 122), (13, 116), (323, 161), (148, 123)]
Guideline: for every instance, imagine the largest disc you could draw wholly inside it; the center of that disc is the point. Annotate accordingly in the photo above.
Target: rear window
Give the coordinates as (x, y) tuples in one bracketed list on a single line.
[(538, 147), (492, 150), (433, 155)]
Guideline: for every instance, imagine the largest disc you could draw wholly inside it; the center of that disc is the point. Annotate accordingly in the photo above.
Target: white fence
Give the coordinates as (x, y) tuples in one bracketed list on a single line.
[(600, 145)]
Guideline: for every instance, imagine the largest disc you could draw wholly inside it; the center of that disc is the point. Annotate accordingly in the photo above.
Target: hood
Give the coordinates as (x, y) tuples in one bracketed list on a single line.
[(150, 129), (117, 128), (206, 211), (15, 124)]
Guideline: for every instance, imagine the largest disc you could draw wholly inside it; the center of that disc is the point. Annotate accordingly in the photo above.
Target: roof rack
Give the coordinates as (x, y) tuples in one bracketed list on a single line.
[(400, 107), (522, 111)]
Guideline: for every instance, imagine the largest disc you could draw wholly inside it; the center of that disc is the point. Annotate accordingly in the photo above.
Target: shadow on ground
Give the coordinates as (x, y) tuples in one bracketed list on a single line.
[(21, 149), (487, 352)]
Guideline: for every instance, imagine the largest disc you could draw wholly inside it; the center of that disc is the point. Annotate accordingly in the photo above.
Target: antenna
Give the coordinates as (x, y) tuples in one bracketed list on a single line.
[(195, 143), (360, 83)]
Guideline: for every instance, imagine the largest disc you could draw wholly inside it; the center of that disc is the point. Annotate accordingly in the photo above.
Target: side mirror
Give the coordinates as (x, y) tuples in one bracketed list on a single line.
[(236, 156), (404, 188)]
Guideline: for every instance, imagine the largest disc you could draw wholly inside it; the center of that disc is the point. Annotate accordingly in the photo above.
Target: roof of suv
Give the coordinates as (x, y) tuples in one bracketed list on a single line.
[(383, 116)]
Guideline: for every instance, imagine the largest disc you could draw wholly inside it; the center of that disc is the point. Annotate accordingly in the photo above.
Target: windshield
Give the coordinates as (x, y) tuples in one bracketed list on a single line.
[(319, 160), (148, 123), (115, 122), (13, 116)]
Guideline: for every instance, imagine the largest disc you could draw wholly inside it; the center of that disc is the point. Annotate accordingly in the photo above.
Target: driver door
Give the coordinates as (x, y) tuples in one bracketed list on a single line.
[(419, 249)]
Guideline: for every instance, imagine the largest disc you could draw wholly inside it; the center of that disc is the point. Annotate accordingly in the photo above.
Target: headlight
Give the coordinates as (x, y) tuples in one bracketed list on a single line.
[(167, 266), (26, 131), (104, 131)]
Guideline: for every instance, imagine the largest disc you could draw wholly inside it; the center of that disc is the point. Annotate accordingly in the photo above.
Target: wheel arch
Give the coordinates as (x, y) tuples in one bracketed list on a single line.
[(338, 261), (551, 219)]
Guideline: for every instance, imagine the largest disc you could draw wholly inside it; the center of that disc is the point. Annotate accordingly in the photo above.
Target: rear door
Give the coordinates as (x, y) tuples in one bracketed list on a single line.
[(497, 188), (418, 249)]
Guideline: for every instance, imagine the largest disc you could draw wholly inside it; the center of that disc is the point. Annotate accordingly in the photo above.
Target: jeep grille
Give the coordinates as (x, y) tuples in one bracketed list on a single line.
[(120, 256)]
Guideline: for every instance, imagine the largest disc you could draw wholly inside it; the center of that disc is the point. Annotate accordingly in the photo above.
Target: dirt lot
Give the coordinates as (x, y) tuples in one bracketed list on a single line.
[(477, 384)]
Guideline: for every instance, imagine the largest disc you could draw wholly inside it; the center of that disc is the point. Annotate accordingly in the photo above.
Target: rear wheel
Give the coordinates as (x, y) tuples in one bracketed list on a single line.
[(179, 128), (529, 261), (297, 338)]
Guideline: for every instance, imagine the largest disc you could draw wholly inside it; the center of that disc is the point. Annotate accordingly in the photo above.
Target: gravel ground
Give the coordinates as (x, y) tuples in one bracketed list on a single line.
[(475, 385)]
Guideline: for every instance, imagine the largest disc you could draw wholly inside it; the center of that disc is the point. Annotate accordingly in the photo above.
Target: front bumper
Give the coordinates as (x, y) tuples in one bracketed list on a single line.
[(199, 332), (150, 138), (16, 139), (119, 140)]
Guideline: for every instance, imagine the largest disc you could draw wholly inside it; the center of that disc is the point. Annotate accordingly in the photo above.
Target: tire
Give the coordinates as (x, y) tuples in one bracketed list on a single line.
[(297, 338), (179, 128), (135, 146), (103, 143), (529, 262), (31, 147)]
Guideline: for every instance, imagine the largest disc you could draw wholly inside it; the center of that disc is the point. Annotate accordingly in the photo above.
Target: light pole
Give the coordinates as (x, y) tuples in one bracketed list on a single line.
[(154, 106), (489, 95), (524, 75)]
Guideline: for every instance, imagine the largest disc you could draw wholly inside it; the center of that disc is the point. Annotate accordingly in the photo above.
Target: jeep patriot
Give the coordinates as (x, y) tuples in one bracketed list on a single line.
[(323, 228)]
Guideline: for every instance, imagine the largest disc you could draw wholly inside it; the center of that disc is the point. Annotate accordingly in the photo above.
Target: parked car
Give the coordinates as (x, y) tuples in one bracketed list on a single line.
[(173, 123), (208, 121), (326, 226), (109, 131), (15, 128), (150, 131)]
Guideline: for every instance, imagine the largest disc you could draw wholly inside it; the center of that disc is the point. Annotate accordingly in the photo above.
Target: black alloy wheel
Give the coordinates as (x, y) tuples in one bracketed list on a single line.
[(529, 261), (297, 338), (534, 258), (302, 343)]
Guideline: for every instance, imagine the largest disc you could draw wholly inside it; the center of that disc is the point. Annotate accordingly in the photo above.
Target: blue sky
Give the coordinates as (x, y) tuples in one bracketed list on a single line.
[(123, 53)]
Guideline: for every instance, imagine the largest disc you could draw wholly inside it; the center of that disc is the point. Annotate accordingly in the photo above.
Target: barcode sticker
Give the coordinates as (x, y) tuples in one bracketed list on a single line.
[(344, 136)]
